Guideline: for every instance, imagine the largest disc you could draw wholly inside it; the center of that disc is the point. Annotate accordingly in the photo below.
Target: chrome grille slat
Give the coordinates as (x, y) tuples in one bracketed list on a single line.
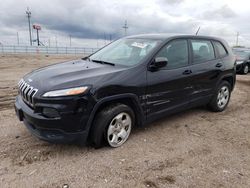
[(27, 92)]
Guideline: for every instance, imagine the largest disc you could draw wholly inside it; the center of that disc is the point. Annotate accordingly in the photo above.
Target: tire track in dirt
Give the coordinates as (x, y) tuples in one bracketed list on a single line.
[(7, 97)]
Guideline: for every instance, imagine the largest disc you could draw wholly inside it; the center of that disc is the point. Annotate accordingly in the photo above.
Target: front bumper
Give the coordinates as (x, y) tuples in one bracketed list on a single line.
[(239, 68), (67, 128)]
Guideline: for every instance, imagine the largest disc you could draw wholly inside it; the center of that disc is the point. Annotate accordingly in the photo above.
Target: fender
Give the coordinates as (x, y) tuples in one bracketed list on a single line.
[(228, 75), (139, 110)]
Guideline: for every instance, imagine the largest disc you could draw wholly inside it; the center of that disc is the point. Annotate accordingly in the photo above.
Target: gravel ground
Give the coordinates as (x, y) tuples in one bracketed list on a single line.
[(195, 148)]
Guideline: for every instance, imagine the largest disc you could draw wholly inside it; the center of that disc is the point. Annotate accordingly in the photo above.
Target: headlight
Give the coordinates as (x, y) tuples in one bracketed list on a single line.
[(66, 92), (239, 62)]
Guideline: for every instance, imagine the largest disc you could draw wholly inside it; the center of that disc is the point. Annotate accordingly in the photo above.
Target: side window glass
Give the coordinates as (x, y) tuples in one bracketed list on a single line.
[(221, 49), (202, 51), (176, 52)]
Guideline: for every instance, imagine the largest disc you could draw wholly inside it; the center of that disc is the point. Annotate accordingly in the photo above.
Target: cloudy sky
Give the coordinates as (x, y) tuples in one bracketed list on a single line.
[(89, 22)]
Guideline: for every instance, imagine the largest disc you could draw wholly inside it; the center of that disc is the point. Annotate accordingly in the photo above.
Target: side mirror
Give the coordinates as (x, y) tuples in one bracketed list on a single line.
[(158, 62)]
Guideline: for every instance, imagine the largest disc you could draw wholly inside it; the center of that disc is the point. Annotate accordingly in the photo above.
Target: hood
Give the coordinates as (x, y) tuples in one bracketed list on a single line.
[(70, 74)]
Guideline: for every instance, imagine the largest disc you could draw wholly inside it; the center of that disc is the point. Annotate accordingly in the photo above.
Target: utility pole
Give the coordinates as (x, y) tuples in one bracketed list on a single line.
[(37, 36), (110, 38), (237, 38), (56, 41), (37, 28), (17, 36), (29, 16), (125, 27), (70, 40), (105, 39)]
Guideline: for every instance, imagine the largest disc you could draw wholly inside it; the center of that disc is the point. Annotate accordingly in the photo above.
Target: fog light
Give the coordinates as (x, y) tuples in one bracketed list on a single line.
[(50, 112)]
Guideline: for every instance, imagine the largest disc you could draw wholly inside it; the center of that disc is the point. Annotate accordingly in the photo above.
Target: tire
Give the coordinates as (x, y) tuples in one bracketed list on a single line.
[(221, 97), (245, 69), (112, 126)]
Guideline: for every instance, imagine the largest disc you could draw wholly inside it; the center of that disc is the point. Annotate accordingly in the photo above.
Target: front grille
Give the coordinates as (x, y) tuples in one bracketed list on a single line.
[(27, 92)]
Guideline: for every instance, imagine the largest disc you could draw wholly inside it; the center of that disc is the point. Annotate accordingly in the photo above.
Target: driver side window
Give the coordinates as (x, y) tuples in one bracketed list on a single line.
[(176, 52)]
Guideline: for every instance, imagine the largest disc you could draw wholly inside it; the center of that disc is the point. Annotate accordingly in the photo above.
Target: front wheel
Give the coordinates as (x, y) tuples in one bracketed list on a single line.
[(221, 98), (245, 69), (112, 126)]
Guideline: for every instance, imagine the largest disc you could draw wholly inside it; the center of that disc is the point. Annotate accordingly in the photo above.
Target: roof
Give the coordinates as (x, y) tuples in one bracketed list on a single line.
[(163, 36)]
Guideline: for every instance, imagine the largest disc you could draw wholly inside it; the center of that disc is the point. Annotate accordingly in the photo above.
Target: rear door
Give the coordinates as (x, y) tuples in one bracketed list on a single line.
[(169, 87), (206, 68)]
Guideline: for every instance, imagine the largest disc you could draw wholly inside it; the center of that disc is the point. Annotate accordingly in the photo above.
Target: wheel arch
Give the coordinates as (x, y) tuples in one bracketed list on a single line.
[(230, 78), (128, 99)]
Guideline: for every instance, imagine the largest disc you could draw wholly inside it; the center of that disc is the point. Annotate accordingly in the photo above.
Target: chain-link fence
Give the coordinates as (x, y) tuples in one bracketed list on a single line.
[(45, 50)]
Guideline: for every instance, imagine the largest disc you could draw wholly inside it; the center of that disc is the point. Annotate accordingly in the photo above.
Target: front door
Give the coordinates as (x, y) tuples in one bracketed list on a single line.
[(169, 87)]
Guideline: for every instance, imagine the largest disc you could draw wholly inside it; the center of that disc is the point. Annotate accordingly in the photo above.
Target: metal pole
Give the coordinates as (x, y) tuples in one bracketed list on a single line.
[(105, 37), (125, 27), (29, 15), (237, 39), (17, 38), (70, 40), (56, 41), (37, 36)]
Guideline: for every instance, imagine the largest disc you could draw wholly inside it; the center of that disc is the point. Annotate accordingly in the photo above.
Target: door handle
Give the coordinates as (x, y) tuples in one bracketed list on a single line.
[(186, 72), (218, 65)]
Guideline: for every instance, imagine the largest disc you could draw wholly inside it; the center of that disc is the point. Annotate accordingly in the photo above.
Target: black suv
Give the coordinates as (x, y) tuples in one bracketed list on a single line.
[(132, 81)]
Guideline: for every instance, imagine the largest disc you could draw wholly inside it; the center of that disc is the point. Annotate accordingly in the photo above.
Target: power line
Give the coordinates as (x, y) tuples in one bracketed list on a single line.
[(28, 12)]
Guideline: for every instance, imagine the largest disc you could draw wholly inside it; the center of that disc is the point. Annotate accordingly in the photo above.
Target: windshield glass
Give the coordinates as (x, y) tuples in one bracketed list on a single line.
[(242, 53), (127, 52)]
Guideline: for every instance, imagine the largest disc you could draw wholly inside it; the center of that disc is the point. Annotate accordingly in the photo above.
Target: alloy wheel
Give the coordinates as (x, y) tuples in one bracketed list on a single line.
[(223, 97), (119, 129)]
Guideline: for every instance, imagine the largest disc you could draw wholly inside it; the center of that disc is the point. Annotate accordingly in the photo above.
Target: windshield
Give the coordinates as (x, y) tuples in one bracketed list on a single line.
[(242, 53), (127, 52)]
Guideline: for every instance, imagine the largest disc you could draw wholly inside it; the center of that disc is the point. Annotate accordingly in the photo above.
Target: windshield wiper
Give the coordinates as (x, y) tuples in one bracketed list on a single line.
[(102, 62), (86, 58)]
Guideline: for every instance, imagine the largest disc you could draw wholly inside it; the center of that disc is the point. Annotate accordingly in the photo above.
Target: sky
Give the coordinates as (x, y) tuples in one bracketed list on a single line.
[(89, 22)]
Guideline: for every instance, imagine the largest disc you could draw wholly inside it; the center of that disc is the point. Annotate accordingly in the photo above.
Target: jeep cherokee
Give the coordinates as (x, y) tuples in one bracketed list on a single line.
[(132, 81)]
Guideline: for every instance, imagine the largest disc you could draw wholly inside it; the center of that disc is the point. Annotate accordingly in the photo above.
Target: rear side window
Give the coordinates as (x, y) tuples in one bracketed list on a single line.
[(202, 51), (176, 52), (221, 49)]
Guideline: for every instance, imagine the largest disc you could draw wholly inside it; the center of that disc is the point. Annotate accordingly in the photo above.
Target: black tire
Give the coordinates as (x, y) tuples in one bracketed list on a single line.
[(214, 103), (98, 132), (245, 69)]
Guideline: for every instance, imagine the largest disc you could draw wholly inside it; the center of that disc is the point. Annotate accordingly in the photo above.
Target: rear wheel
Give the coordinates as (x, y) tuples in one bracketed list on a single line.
[(112, 126), (221, 98)]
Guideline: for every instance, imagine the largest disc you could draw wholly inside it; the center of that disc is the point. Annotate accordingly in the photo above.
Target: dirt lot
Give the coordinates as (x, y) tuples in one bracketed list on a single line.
[(196, 148)]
